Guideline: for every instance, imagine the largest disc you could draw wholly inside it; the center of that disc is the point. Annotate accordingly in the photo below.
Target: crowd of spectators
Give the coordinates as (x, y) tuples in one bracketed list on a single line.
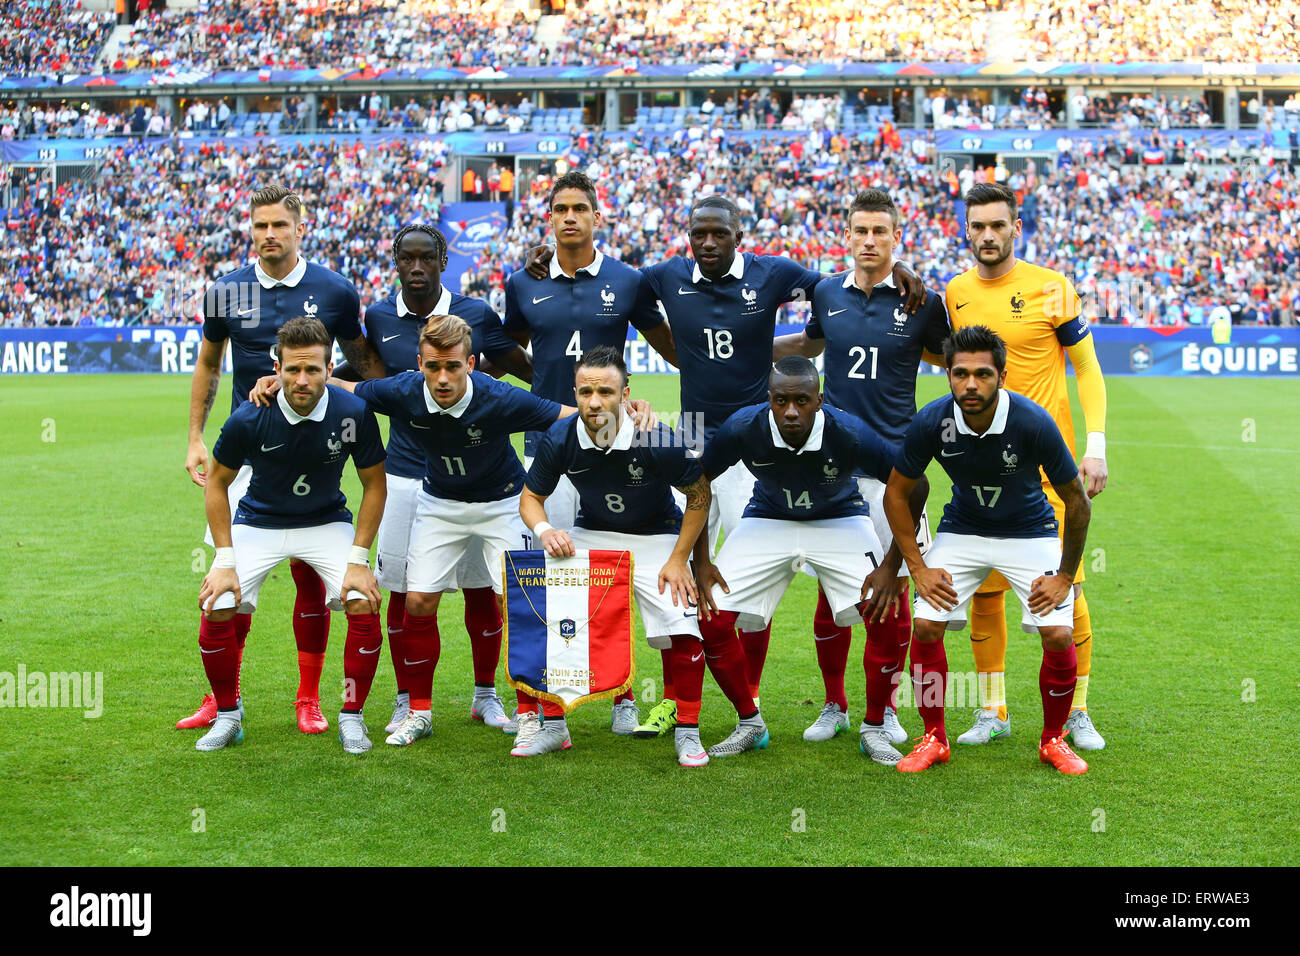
[(51, 36), (67, 119), (40, 36), (1133, 110), (105, 251), (1145, 243)]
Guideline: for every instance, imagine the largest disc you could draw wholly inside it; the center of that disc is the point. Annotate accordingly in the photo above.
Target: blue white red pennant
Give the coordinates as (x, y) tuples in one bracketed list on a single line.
[(568, 626)]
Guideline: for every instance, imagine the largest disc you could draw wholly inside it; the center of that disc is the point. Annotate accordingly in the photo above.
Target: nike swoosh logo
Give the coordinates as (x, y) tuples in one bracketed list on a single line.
[(763, 464), (944, 454), (836, 312), (321, 614), (578, 471), (887, 670), (690, 614), (1055, 694), (413, 663), (490, 633), (389, 338), (217, 651), (364, 651), (697, 657), (537, 301), (423, 427), (998, 733), (273, 447), (962, 306), (681, 291), (817, 639), (245, 311)]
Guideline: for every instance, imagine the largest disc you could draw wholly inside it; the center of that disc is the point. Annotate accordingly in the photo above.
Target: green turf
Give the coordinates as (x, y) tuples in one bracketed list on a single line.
[(1197, 598)]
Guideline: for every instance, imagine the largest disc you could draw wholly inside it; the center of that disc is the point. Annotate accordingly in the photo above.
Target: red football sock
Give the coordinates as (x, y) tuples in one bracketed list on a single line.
[(726, 660), (311, 627), (688, 668), (626, 695), (929, 681), (360, 660), (483, 622), (880, 663), (220, 654), (670, 691), (423, 645), (832, 643), (904, 625), (1056, 679), (395, 617), (243, 624), (754, 644), (525, 703), (552, 710)]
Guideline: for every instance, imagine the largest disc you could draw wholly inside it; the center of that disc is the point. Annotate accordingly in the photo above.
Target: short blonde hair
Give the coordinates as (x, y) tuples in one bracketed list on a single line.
[(446, 332)]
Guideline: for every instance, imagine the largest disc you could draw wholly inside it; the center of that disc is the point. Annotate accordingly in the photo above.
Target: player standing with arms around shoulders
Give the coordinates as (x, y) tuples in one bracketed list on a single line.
[(294, 508), (246, 308), (873, 347), (1037, 314), (992, 443)]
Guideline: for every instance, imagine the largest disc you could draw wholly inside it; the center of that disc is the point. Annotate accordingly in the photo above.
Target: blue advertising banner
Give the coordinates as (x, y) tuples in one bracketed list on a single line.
[(1248, 352)]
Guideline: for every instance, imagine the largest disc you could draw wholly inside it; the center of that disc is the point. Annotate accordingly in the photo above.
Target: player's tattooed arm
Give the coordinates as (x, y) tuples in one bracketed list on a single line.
[(203, 394), (661, 340), (1049, 590), (363, 358), (932, 584), (358, 576)]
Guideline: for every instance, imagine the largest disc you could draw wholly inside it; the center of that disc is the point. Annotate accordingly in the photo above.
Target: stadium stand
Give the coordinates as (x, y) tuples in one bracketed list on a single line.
[(51, 36)]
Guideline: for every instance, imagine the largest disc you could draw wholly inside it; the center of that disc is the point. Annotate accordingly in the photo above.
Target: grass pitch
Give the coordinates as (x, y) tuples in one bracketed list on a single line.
[(1194, 686)]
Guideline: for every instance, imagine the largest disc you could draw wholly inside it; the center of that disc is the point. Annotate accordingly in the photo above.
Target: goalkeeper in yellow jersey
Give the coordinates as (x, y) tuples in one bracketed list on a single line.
[(1037, 313)]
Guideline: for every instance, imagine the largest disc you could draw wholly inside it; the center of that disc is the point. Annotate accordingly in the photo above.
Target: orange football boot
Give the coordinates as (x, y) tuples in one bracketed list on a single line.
[(927, 753), (205, 716), (1058, 753), (310, 719)]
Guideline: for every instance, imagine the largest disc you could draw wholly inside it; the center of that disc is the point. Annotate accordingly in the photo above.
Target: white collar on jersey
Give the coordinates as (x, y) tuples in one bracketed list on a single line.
[(814, 442), (291, 280), (737, 269), (456, 410), (999, 417), (622, 441), (317, 414), (593, 269), (442, 307), (851, 278)]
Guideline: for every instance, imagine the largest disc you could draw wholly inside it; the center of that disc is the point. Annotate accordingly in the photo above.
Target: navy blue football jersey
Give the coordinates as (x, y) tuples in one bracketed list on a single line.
[(723, 330), (873, 349), (394, 332), (298, 461), (814, 482), (566, 316), (627, 487), (997, 491), (466, 448), (248, 308)]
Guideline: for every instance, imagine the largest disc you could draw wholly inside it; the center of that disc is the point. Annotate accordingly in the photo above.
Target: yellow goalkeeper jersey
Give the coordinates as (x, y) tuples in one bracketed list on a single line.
[(1037, 313)]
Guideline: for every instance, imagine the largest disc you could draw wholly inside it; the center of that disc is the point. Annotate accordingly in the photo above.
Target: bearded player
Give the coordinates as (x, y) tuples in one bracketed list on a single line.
[(1037, 313)]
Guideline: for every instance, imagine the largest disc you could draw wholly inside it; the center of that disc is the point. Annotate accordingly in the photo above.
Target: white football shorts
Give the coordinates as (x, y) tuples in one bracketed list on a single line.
[(458, 544), (761, 557), (661, 617), (258, 550), (970, 558), (731, 492)]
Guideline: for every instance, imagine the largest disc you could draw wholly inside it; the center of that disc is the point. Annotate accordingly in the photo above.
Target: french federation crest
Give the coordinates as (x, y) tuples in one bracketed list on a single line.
[(568, 629), (309, 307), (1009, 461), (607, 296)]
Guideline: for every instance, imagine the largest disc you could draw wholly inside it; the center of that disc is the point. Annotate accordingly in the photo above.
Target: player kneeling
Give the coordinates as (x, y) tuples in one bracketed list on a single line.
[(991, 442), (624, 479), (297, 447)]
